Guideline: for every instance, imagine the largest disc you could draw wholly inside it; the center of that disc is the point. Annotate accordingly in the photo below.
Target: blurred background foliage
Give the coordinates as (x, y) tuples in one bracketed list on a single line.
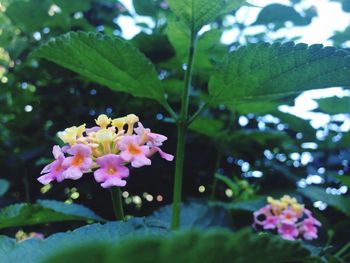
[(246, 152)]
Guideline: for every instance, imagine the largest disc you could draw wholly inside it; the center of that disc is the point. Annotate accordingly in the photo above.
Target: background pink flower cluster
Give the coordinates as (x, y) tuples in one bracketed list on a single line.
[(289, 218), (105, 149)]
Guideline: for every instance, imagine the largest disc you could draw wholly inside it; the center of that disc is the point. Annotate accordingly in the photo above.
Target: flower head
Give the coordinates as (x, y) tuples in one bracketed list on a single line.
[(288, 217), (106, 150)]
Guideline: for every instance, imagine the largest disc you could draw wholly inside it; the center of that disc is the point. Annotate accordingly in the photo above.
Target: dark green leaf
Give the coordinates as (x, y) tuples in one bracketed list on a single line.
[(194, 247), (194, 215), (147, 7), (28, 15), (207, 126), (345, 179), (280, 14), (334, 105), (35, 250), (109, 61), (45, 211), (263, 71), (197, 13), (259, 108), (319, 194)]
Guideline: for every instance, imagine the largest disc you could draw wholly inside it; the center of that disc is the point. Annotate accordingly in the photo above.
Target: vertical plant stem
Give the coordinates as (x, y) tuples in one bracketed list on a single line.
[(215, 180), (181, 136), (117, 203)]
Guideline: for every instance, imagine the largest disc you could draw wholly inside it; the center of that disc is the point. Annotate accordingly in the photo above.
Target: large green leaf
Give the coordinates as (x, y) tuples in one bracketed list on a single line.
[(35, 250), (44, 211), (191, 246), (109, 61), (207, 126), (334, 105), (194, 215), (197, 13), (319, 194), (263, 71)]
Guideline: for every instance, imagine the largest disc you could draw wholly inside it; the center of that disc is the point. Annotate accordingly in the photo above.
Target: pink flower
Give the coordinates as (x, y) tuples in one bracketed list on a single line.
[(288, 216), (79, 163), (288, 231), (270, 222), (132, 152), (54, 170), (308, 228), (154, 140), (146, 135), (263, 212), (111, 171), (164, 155)]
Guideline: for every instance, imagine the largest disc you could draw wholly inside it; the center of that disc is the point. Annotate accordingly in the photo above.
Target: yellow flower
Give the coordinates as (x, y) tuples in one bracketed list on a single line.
[(104, 135), (131, 119), (289, 200), (70, 135), (119, 123), (276, 205), (103, 121)]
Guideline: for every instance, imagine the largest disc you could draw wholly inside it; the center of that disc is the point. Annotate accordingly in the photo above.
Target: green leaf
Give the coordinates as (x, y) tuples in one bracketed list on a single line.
[(194, 215), (259, 108), (247, 205), (35, 250), (28, 15), (4, 186), (209, 47), (263, 71), (6, 245), (345, 5), (207, 126), (147, 7), (334, 105), (297, 124), (280, 14), (109, 61), (44, 211), (192, 246), (344, 179), (197, 13), (319, 194)]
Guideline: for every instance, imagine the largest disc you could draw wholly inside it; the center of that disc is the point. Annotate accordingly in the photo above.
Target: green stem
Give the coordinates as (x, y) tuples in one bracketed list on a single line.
[(201, 108), (215, 180), (343, 250), (182, 124), (117, 203), (170, 110)]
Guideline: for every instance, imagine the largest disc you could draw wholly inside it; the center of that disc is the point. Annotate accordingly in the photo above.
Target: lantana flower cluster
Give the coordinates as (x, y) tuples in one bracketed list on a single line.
[(106, 150), (290, 219)]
